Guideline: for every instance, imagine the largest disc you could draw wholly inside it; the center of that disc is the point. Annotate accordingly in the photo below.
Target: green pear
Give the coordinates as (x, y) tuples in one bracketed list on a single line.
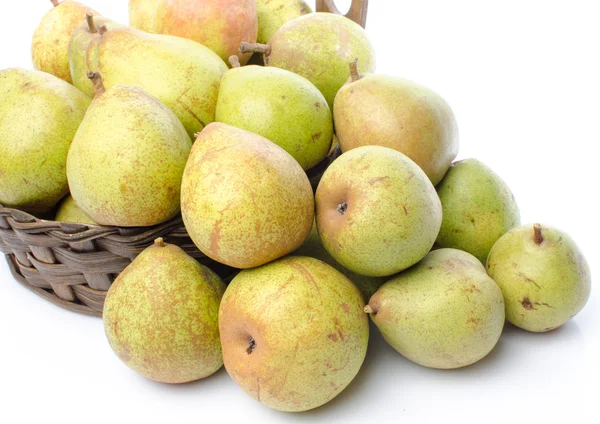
[(220, 25), (161, 316), (127, 158), (478, 208), (281, 106), (50, 44), (338, 41), (273, 14), (39, 115), (445, 312), (377, 212), (397, 113), (69, 211), (313, 247), (244, 200), (182, 74), (543, 276), (293, 333)]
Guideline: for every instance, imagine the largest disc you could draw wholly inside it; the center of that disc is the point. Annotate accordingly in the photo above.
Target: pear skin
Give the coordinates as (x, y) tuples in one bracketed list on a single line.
[(273, 14), (69, 211)]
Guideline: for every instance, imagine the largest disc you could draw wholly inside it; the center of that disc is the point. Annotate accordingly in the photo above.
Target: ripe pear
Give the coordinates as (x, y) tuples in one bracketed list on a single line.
[(543, 276), (313, 247), (69, 211), (127, 158), (182, 74), (478, 208), (319, 46), (377, 212), (445, 312), (244, 200), (39, 115), (50, 45), (281, 106), (161, 316), (397, 113), (293, 332), (220, 25), (273, 14)]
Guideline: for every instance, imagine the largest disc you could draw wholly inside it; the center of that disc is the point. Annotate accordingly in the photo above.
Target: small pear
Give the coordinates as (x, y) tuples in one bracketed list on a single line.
[(273, 14), (127, 158), (182, 74), (69, 211), (279, 105), (478, 208), (318, 46), (445, 312), (244, 200), (394, 112), (50, 45), (39, 115), (293, 332), (543, 276), (161, 316), (377, 212), (220, 25)]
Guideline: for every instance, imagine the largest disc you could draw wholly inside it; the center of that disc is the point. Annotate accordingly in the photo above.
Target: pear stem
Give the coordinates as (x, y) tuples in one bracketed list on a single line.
[(354, 74), (255, 48), (102, 29), (537, 234), (89, 17), (234, 61), (159, 242), (368, 310), (55, 2), (96, 79)]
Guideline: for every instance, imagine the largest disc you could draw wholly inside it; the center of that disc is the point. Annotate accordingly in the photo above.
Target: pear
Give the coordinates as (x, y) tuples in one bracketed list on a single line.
[(220, 25), (182, 74), (377, 212), (318, 46), (69, 211), (39, 115), (445, 312), (478, 208), (244, 200), (313, 247), (293, 333), (50, 45), (543, 276), (279, 105), (273, 14), (161, 316), (397, 113), (127, 158)]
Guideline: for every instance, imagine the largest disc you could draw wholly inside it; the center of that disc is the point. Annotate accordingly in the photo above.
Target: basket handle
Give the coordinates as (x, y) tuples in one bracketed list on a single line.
[(357, 12)]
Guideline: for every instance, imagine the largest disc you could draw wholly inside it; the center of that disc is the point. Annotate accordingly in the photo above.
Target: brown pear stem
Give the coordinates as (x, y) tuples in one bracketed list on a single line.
[(96, 79), (89, 17), (537, 234), (102, 29), (234, 61), (55, 2), (368, 310), (160, 242), (255, 48), (354, 74)]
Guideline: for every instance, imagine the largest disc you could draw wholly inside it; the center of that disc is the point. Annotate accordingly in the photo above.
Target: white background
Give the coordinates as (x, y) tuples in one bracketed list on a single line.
[(523, 80)]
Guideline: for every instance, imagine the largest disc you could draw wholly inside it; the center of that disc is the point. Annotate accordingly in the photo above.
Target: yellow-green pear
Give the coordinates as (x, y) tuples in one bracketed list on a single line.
[(50, 45), (445, 312), (543, 276), (69, 211), (39, 115), (477, 208), (161, 316), (377, 212), (182, 74), (293, 332), (272, 14), (279, 105), (127, 158), (244, 200), (394, 112)]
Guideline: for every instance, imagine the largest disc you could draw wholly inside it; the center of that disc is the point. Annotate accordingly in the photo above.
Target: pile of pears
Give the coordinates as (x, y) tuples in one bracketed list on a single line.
[(137, 124)]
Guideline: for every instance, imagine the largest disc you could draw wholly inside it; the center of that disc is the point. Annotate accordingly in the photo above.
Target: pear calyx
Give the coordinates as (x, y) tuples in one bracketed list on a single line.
[(537, 234), (368, 310), (55, 2), (96, 79), (234, 61), (255, 48), (354, 74), (89, 18)]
